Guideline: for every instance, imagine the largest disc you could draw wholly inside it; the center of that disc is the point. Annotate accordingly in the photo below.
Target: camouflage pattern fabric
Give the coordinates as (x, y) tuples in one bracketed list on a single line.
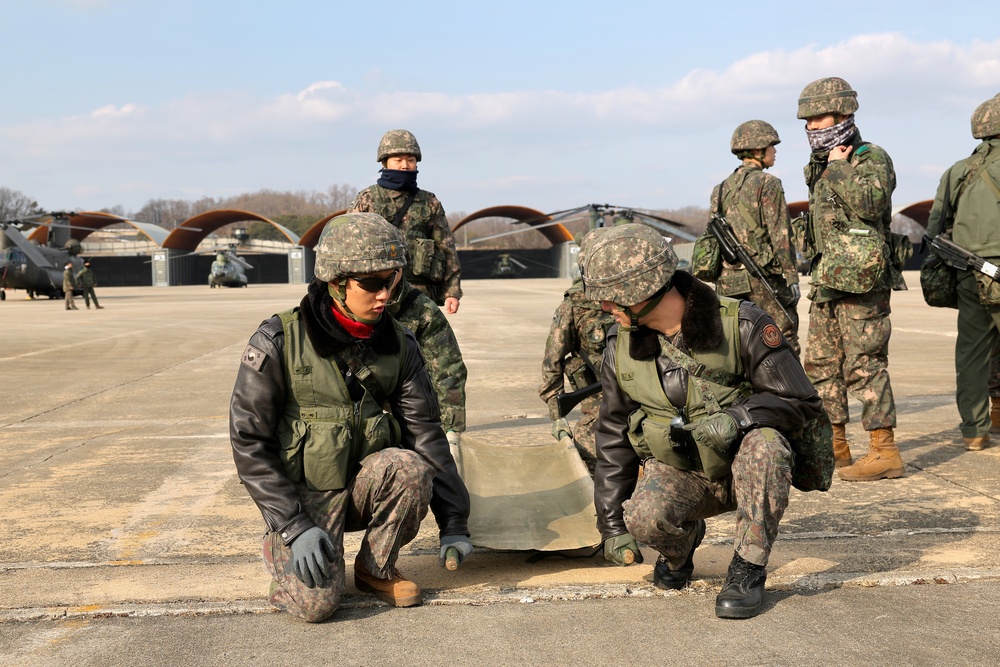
[(69, 284), (388, 499), (574, 350), (986, 119), (425, 219), (829, 95), (627, 264), (356, 244), (750, 191), (848, 343), (664, 509), (845, 195), (847, 351), (442, 356), (398, 142)]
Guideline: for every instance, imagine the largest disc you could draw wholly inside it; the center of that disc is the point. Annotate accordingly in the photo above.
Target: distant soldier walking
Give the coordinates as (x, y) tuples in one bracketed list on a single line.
[(69, 284), (87, 281), (754, 204), (967, 206), (854, 268)]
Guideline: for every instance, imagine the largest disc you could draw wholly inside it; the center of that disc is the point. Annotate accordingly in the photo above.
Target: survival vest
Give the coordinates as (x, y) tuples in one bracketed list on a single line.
[(715, 381), (324, 435)]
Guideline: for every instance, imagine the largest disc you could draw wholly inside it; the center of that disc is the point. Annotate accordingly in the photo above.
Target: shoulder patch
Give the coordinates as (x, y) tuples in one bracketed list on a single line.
[(254, 358), (771, 335)]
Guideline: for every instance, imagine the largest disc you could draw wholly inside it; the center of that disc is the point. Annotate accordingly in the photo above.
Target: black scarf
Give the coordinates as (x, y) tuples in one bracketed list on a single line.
[(398, 179), (326, 334)]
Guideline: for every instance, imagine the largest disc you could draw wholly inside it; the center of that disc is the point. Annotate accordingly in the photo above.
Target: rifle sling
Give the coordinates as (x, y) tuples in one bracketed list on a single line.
[(397, 219)]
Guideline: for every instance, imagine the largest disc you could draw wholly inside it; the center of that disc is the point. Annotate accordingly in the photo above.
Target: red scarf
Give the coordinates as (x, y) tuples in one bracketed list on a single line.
[(353, 327)]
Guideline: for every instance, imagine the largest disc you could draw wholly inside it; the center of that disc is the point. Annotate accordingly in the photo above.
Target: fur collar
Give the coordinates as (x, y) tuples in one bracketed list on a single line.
[(701, 324), (328, 337)]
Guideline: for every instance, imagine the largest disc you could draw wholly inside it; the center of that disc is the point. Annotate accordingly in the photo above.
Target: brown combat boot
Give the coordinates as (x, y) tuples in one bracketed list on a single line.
[(841, 450), (994, 414), (396, 591), (881, 462), (977, 444)]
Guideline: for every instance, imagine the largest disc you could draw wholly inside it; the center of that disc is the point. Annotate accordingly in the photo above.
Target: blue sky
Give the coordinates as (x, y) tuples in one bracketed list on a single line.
[(550, 105)]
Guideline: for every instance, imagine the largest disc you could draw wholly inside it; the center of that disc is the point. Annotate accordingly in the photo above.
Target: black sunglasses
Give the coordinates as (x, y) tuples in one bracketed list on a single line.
[(374, 284)]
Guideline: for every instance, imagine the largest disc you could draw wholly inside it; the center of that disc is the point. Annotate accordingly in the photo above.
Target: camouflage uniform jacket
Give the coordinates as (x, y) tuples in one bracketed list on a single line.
[(975, 206), (753, 201), (575, 346), (69, 280), (86, 278), (415, 311), (782, 397), (258, 404), (843, 191), (425, 219)]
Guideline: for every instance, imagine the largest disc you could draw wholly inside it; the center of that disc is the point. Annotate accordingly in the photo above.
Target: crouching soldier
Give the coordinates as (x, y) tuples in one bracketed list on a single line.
[(704, 392), (335, 427)]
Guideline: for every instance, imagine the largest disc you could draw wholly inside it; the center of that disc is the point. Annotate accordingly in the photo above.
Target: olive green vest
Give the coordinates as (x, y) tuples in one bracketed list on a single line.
[(324, 435), (715, 381)]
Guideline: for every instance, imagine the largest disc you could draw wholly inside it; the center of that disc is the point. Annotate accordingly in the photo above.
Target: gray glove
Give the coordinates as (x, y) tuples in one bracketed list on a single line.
[(312, 553), (560, 428), (617, 548), (796, 294), (459, 543), (716, 432)]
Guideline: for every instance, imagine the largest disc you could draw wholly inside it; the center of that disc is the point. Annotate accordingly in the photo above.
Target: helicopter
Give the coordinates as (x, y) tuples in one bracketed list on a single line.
[(507, 267), (27, 264), (228, 270)]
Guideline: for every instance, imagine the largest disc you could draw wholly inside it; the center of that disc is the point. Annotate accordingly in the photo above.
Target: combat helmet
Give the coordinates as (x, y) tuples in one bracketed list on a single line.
[(753, 135), (830, 95), (358, 243), (986, 119), (585, 240), (628, 264), (398, 142)]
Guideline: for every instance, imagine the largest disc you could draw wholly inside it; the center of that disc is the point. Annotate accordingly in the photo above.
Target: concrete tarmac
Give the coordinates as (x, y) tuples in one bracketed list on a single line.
[(128, 539)]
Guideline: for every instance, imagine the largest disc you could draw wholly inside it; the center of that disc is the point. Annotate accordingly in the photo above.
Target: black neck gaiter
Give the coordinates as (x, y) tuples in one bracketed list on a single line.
[(398, 179)]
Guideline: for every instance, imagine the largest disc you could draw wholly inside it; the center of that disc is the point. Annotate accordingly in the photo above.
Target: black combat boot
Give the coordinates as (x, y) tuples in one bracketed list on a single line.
[(674, 580), (743, 593)]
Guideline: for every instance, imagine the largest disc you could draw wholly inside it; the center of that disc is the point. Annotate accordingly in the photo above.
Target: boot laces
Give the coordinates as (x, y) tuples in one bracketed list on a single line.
[(742, 573)]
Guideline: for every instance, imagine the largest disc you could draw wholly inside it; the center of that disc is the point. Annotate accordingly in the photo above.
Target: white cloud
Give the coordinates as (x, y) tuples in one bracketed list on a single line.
[(665, 141)]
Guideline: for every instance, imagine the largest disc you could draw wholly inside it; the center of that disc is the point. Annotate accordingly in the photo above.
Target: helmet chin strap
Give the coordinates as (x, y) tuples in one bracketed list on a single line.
[(339, 295), (648, 308)]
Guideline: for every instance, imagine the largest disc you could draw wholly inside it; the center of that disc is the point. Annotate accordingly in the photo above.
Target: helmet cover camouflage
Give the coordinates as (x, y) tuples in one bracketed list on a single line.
[(986, 119), (752, 135), (398, 142), (585, 240), (830, 95), (357, 244), (628, 264)]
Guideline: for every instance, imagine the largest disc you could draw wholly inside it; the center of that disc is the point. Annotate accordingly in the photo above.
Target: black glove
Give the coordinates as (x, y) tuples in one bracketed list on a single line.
[(796, 294), (312, 553)]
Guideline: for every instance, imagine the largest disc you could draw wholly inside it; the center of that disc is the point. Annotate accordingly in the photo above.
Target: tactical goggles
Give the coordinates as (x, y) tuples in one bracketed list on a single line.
[(375, 284)]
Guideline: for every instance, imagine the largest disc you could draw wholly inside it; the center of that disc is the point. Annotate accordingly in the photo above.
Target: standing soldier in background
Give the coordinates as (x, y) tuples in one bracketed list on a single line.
[(69, 284), (442, 356), (972, 216), (848, 240), (433, 266), (87, 283), (575, 351), (754, 204)]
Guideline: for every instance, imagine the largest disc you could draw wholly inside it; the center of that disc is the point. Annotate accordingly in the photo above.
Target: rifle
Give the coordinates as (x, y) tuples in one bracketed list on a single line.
[(958, 257), (734, 253), (566, 402)]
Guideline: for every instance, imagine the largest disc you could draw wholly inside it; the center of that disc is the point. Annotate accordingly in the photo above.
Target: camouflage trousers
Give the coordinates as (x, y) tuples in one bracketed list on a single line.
[(583, 431), (664, 510), (763, 299), (388, 499), (88, 294), (848, 351), (975, 357)]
